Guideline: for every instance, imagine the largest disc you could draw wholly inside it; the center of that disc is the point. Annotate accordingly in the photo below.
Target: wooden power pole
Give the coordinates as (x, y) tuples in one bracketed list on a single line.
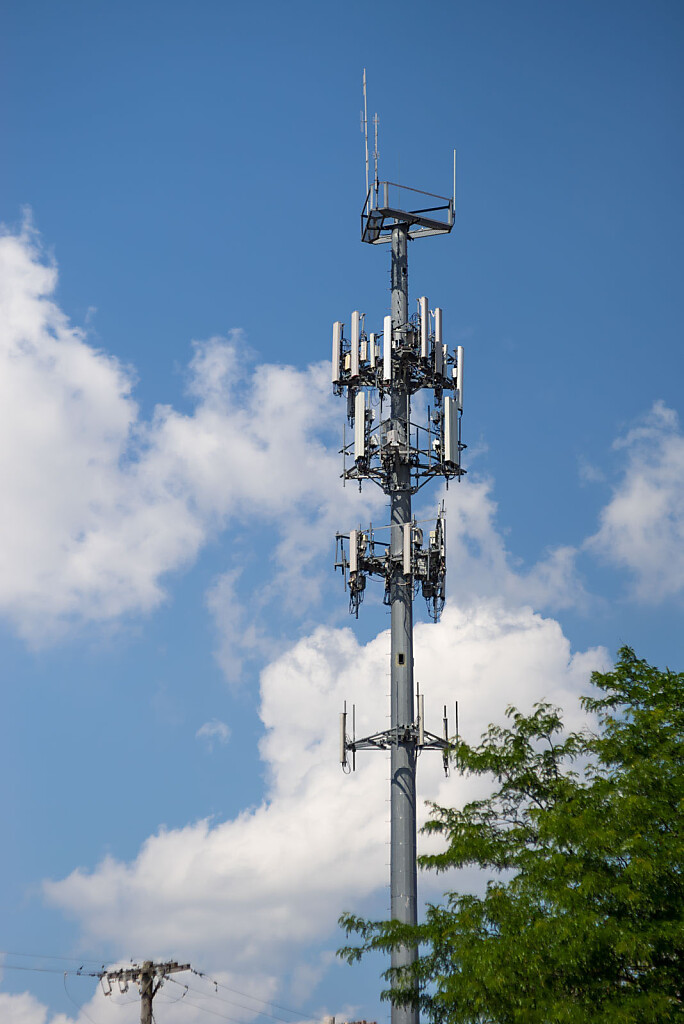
[(149, 976)]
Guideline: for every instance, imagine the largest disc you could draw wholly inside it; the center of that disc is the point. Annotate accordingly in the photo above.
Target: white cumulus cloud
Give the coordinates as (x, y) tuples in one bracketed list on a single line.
[(172, 1003), (266, 885), (483, 567), (22, 1008), (98, 503), (642, 527)]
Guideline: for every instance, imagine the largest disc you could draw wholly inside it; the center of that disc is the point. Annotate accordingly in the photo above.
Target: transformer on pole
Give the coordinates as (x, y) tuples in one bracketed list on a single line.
[(380, 371)]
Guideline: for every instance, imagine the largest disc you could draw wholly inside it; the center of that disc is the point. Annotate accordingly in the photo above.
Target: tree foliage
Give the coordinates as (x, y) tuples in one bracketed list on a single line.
[(584, 920)]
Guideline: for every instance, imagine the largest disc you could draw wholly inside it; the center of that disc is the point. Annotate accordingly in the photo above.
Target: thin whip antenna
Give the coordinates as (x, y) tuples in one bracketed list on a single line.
[(365, 125), (454, 193), (376, 152)]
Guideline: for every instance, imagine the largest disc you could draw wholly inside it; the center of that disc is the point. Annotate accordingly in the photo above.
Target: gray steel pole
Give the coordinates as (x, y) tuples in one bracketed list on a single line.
[(403, 882)]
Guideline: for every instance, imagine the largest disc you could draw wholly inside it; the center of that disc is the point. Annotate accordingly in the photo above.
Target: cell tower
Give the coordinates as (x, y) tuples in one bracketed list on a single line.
[(380, 372)]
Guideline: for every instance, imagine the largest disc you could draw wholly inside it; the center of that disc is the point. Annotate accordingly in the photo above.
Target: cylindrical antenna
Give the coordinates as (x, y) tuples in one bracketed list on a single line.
[(344, 453), (453, 211), (354, 737), (365, 126), (421, 720), (343, 736)]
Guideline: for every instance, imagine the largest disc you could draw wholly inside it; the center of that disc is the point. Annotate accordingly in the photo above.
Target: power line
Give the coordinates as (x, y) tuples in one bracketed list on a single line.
[(232, 1002), (178, 999), (214, 1013), (50, 970), (246, 995), (52, 956), (72, 1000), (204, 1009)]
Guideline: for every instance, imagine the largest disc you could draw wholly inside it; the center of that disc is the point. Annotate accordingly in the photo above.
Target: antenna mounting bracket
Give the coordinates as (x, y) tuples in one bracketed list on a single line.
[(384, 208)]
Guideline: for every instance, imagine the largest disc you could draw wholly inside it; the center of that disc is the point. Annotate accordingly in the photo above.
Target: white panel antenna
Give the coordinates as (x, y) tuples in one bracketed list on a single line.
[(459, 375), (439, 351), (355, 331), (360, 425), (406, 568), (353, 550), (336, 350), (424, 328), (421, 719), (372, 352), (387, 349), (451, 450)]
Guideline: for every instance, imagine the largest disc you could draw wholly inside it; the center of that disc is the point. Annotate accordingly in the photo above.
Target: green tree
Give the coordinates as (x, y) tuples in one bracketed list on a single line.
[(584, 920)]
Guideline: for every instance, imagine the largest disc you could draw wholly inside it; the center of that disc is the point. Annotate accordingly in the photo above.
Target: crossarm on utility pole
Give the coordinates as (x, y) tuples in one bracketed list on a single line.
[(144, 975)]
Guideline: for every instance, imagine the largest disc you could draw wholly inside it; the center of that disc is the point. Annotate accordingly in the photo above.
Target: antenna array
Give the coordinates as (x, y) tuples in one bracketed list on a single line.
[(359, 555), (407, 358), (379, 372)]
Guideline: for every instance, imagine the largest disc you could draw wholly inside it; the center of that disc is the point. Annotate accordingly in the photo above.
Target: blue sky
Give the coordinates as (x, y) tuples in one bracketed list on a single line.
[(180, 190)]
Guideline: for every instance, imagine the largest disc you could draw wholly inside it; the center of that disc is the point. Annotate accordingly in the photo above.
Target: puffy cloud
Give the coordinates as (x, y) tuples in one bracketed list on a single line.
[(173, 1003), (241, 633), (98, 504), (22, 1009), (483, 567), (266, 885), (642, 527)]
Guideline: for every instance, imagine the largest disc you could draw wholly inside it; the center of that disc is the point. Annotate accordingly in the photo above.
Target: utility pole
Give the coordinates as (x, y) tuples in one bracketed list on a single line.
[(148, 976), (378, 371)]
